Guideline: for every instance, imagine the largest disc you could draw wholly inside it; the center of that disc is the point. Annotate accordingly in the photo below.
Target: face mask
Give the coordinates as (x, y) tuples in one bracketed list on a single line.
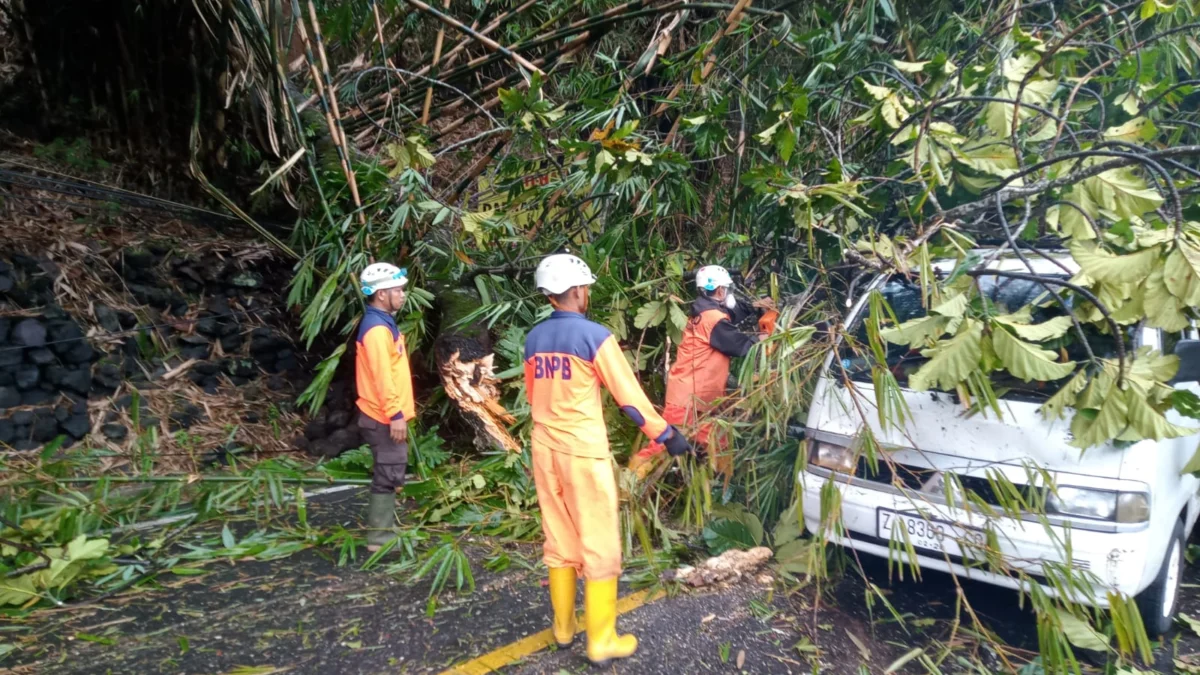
[(730, 301)]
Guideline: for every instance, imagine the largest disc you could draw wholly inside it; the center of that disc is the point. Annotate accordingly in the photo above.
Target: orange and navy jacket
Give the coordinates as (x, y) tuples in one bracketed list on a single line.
[(701, 370), (567, 359), (381, 369)]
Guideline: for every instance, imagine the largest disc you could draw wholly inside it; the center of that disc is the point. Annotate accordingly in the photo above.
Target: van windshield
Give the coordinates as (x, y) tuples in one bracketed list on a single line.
[(1006, 296)]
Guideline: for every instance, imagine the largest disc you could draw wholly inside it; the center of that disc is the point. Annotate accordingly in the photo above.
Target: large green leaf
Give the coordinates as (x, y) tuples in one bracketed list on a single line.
[(1071, 222), (1100, 265), (1027, 361), (1150, 423), (723, 535), (1064, 398), (650, 314), (916, 331), (990, 155), (1181, 273), (1123, 193), (951, 360), (1163, 310), (1047, 330), (1108, 423)]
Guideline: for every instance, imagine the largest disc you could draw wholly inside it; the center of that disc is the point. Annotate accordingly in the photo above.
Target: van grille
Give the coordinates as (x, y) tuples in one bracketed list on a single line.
[(915, 477)]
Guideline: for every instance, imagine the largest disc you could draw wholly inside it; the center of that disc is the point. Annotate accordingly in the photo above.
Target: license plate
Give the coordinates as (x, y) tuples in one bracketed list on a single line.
[(929, 534)]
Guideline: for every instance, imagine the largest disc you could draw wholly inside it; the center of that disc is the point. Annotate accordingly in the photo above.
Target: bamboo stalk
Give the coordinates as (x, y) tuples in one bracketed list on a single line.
[(437, 55), (337, 117), (319, 85), (731, 21), (379, 36), (482, 39)]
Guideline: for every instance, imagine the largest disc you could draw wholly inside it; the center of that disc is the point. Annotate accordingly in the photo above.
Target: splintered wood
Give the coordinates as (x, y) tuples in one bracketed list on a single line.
[(472, 386), (731, 565)]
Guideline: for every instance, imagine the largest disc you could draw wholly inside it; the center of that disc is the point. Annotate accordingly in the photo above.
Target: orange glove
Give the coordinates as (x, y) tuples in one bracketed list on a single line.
[(766, 323)]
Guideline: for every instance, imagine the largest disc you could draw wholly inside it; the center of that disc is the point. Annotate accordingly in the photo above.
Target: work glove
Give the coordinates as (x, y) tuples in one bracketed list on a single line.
[(766, 323), (676, 444)]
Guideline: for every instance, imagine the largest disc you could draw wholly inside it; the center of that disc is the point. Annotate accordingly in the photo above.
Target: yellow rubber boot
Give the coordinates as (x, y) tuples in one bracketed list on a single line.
[(562, 599), (600, 615)]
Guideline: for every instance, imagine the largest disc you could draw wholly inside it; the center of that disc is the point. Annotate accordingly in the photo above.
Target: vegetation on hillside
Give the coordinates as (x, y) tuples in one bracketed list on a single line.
[(808, 146)]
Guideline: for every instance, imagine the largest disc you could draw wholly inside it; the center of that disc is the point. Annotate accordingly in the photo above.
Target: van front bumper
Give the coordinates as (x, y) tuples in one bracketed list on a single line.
[(1111, 560)]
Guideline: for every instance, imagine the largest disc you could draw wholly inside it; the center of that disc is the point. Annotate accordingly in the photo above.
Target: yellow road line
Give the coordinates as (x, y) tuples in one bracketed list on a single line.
[(515, 651)]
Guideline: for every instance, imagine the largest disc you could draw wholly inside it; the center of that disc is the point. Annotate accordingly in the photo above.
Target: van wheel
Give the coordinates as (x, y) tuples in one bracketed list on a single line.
[(1157, 603)]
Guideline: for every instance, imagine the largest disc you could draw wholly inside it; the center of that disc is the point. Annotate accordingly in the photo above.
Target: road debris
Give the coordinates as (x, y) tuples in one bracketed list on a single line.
[(729, 566)]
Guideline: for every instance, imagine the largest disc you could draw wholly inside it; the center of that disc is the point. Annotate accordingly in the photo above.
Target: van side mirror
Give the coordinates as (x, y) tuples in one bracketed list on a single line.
[(1188, 352)]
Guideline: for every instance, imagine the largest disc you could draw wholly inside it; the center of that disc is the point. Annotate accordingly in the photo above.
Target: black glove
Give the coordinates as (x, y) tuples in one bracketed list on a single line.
[(676, 444)]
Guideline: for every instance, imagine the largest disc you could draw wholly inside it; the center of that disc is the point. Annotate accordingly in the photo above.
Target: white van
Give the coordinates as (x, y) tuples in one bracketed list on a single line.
[(1125, 511)]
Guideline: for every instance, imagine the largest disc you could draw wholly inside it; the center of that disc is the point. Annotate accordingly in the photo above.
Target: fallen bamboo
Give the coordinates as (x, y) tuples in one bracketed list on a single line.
[(482, 39), (337, 117), (335, 129), (731, 21), (437, 55)]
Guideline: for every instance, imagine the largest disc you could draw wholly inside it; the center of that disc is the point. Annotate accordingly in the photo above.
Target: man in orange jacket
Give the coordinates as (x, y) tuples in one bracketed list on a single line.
[(385, 395), (567, 360), (701, 370)]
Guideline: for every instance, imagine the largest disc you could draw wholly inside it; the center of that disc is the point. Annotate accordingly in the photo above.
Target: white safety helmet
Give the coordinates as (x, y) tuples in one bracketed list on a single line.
[(711, 277), (561, 272), (381, 276)]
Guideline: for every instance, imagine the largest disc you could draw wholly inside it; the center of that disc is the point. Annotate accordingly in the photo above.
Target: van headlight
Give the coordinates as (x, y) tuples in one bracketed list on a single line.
[(831, 456), (1122, 507)]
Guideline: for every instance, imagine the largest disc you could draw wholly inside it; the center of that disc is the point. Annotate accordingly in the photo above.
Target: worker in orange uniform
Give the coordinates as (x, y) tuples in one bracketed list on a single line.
[(701, 370), (567, 359), (385, 395)]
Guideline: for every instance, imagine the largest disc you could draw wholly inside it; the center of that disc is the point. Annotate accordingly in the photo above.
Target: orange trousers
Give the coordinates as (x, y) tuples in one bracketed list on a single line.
[(578, 499)]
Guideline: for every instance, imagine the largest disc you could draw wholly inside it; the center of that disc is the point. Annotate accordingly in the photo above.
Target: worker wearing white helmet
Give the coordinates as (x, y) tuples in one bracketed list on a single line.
[(701, 370), (385, 394), (567, 359)]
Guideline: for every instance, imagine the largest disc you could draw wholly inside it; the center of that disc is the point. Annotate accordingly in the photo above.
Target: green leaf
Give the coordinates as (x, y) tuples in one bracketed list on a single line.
[(227, 539), (989, 155), (1100, 265), (1163, 310), (82, 548), (1150, 423), (1135, 130), (917, 331), (1080, 633), (1110, 421), (1181, 273), (1027, 361), (478, 481), (910, 66), (723, 535), (953, 306), (1122, 192), (795, 556), (1186, 403), (951, 360), (1064, 398), (650, 314), (1047, 330), (1073, 223)]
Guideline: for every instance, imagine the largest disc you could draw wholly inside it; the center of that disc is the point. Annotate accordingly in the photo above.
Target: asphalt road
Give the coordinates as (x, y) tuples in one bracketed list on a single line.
[(304, 614)]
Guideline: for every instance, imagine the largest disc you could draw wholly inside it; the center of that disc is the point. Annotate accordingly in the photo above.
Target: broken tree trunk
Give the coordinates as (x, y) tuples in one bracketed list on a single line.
[(466, 367)]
